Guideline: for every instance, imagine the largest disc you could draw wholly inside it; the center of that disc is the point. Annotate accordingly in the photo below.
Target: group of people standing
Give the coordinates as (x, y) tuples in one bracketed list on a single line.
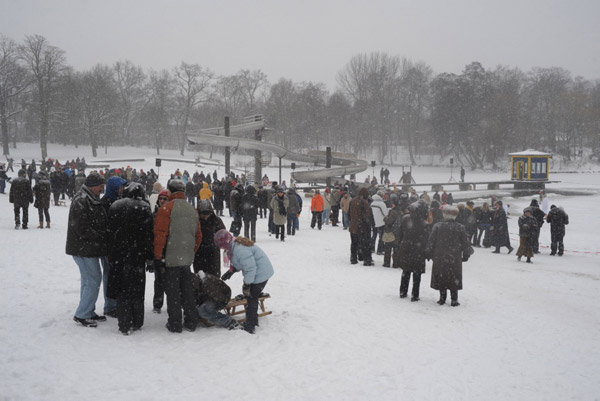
[(115, 239)]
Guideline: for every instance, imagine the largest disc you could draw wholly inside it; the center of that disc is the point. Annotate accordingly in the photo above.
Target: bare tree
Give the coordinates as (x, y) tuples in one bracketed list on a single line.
[(13, 82), (130, 82), (252, 84), (192, 83), (157, 113), (46, 63)]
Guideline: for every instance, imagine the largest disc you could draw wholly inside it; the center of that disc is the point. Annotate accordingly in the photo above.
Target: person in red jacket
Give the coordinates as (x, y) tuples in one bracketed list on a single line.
[(316, 207), (177, 228)]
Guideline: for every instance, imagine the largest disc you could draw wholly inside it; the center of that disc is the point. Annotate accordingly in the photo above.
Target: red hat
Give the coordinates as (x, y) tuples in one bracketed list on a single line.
[(165, 192)]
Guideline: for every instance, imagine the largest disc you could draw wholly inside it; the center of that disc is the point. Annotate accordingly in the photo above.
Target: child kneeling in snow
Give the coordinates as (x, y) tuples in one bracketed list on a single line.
[(243, 255), (213, 295)]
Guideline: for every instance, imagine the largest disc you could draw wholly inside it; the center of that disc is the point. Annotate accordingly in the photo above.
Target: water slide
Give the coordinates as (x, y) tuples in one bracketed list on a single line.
[(349, 164)]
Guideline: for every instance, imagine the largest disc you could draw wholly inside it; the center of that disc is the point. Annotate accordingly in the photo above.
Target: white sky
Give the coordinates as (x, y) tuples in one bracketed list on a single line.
[(311, 40)]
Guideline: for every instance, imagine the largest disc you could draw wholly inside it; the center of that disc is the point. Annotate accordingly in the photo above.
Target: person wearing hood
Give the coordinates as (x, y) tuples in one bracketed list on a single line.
[(361, 221), (292, 212), (41, 191), (499, 229), (114, 189), (412, 239), (21, 195), (279, 205), (379, 210), (250, 212), (527, 229), (557, 218), (243, 255), (235, 208), (448, 247), (130, 225), (539, 216), (205, 192)]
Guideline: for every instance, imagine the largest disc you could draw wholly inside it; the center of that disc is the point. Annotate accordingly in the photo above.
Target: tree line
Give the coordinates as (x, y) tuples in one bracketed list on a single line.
[(381, 102)]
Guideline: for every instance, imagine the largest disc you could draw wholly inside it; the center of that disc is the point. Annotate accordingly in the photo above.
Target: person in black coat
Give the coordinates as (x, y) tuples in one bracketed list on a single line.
[(190, 192), (250, 212), (21, 196), (130, 227), (448, 247), (412, 237), (499, 229), (527, 234), (483, 216), (557, 219), (208, 256), (262, 201), (218, 197), (235, 209), (41, 191), (539, 216)]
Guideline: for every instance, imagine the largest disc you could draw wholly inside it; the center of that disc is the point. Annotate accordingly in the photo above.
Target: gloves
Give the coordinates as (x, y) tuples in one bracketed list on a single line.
[(159, 265), (246, 290), (150, 266), (465, 257), (227, 275)]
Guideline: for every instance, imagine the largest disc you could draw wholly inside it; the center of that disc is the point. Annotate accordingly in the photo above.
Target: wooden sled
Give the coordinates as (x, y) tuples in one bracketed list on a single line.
[(232, 309)]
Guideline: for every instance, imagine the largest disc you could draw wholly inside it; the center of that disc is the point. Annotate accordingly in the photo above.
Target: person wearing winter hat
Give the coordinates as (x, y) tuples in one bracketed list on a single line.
[(177, 237), (527, 229), (42, 192), (208, 256), (21, 195), (448, 247), (539, 216), (499, 229), (159, 289), (87, 243), (279, 205), (558, 218), (243, 255), (114, 190)]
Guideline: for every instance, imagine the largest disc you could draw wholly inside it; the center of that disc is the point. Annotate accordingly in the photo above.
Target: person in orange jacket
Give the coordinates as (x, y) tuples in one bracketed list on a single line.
[(316, 207)]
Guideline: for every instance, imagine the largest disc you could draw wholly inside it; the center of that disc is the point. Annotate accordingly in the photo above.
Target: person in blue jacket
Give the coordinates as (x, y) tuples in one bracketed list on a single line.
[(243, 255)]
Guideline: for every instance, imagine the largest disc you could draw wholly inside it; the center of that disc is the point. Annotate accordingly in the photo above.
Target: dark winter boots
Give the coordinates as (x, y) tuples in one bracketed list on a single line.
[(443, 295)]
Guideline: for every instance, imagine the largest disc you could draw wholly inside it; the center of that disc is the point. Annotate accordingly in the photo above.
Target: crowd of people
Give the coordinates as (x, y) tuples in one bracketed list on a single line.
[(177, 234)]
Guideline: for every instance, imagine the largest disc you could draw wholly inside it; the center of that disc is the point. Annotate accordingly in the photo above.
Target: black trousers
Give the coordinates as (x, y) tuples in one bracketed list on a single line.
[(252, 310), (130, 303), (56, 197), (279, 230), (159, 290), (317, 218), (180, 293), (18, 214), (43, 211), (405, 281), (335, 215), (557, 243), (250, 229)]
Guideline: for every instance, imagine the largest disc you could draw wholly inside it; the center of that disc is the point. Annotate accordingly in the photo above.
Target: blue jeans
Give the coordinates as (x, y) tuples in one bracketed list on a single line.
[(345, 219), (326, 216), (91, 277), (209, 310)]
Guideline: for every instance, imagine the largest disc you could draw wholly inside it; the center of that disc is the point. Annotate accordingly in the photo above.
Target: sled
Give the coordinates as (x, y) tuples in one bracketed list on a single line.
[(231, 309)]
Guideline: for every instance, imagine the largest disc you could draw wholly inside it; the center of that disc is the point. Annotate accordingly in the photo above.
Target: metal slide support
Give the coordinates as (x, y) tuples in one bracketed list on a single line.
[(227, 149)]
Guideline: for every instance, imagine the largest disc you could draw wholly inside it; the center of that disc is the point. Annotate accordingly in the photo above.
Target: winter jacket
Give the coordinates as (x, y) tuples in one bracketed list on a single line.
[(41, 191), (557, 219), (262, 198), (208, 255), (436, 212), (360, 214), (327, 201), (447, 246), (345, 203), (379, 209), (20, 192), (87, 234), (190, 189), (250, 204), (500, 229), (130, 226), (235, 200), (279, 206), (316, 203), (177, 227), (412, 237), (293, 207), (205, 192), (212, 288), (252, 262), (528, 228)]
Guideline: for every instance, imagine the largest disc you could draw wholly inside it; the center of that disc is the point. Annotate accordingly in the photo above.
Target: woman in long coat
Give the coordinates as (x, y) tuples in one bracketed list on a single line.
[(448, 246), (499, 229), (413, 235), (527, 234)]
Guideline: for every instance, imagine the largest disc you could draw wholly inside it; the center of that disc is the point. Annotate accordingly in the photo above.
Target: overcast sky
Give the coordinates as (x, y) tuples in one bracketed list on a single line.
[(311, 40)]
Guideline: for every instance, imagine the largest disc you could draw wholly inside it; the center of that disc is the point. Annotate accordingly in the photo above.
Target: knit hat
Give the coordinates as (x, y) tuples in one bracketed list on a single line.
[(534, 202), (223, 239), (94, 179), (449, 212), (164, 192), (176, 186)]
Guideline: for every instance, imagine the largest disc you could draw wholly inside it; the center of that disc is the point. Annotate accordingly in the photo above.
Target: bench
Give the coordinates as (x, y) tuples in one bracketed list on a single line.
[(232, 309)]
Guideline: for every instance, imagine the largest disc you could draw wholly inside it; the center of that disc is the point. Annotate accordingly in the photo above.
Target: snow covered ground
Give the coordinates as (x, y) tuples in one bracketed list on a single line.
[(338, 331)]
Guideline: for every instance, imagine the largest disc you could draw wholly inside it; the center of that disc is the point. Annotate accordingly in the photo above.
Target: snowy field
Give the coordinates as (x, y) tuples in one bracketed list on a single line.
[(337, 332)]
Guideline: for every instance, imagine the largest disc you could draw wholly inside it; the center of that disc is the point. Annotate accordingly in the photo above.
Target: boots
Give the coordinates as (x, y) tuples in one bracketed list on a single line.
[(41, 224), (510, 249), (519, 258), (442, 300), (47, 224), (454, 298), (529, 260), (497, 250)]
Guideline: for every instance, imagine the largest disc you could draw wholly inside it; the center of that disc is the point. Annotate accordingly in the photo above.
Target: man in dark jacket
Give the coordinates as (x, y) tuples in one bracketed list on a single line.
[(130, 226), (412, 236), (87, 242), (499, 229), (213, 295), (235, 208), (292, 212), (361, 221), (448, 247), (539, 217), (42, 198), (21, 196), (250, 212), (208, 256), (557, 219)]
